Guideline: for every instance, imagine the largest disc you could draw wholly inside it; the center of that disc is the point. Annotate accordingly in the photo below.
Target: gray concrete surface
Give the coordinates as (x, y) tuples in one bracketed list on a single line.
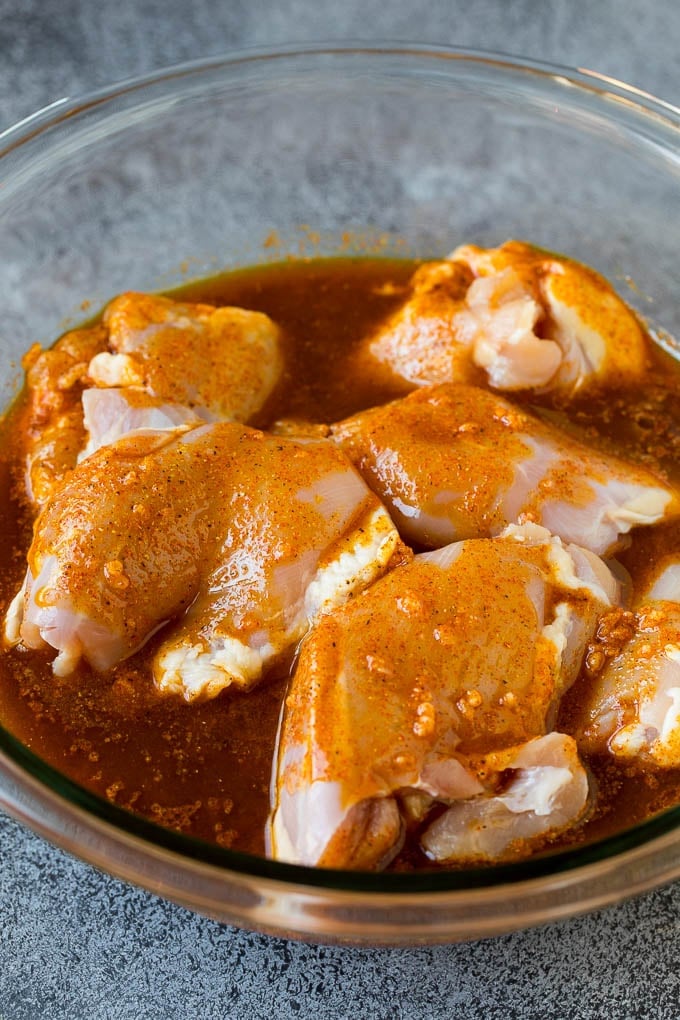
[(77, 944)]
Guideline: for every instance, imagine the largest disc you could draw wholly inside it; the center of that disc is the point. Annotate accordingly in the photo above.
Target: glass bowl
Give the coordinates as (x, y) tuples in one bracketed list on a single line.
[(396, 150)]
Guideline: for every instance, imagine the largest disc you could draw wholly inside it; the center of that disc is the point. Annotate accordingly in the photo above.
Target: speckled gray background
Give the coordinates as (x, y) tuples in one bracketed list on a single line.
[(77, 944)]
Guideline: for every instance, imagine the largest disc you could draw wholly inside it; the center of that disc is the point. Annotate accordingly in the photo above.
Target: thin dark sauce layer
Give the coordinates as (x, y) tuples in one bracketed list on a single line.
[(204, 769)]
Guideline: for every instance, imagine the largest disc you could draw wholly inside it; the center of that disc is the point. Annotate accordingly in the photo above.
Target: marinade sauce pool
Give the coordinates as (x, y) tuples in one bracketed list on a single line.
[(204, 769)]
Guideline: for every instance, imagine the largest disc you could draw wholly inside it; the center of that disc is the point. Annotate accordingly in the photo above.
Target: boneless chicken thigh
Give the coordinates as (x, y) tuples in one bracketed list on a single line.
[(455, 461), (151, 363), (53, 430), (631, 708), (525, 318), (242, 537), (420, 341), (430, 686), (225, 361)]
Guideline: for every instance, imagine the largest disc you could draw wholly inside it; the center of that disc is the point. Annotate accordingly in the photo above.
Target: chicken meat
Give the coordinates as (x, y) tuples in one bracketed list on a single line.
[(544, 791), (521, 317), (53, 429), (151, 363), (454, 461), (108, 415), (223, 361), (238, 537), (401, 695), (631, 708)]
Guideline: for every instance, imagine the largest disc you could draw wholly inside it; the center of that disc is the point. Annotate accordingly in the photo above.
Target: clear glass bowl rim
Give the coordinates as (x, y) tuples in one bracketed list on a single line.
[(625, 96), (653, 118)]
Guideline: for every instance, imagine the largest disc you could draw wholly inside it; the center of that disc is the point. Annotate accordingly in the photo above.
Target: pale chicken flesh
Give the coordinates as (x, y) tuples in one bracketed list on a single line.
[(631, 708), (547, 791), (523, 318), (108, 415), (399, 695), (455, 461), (249, 536)]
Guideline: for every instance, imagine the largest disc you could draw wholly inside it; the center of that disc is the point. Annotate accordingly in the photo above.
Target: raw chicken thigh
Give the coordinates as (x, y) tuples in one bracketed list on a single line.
[(249, 535), (168, 364), (454, 461), (527, 318), (632, 708), (226, 361), (429, 687), (53, 419)]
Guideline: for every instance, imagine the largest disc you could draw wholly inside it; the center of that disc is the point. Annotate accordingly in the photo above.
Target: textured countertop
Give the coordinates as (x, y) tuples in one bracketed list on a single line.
[(75, 943)]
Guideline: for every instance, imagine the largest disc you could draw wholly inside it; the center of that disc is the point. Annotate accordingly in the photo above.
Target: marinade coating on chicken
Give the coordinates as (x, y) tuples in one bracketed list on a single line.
[(399, 695), (455, 461), (226, 361), (179, 363), (250, 535), (631, 708), (525, 318), (420, 341), (302, 538), (53, 429)]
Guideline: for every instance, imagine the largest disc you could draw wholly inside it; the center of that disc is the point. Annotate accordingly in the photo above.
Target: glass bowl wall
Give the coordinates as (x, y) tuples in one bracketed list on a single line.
[(324, 151)]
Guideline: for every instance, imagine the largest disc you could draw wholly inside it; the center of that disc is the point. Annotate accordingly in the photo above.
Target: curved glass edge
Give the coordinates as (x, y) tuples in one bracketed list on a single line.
[(549, 865), (603, 85)]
